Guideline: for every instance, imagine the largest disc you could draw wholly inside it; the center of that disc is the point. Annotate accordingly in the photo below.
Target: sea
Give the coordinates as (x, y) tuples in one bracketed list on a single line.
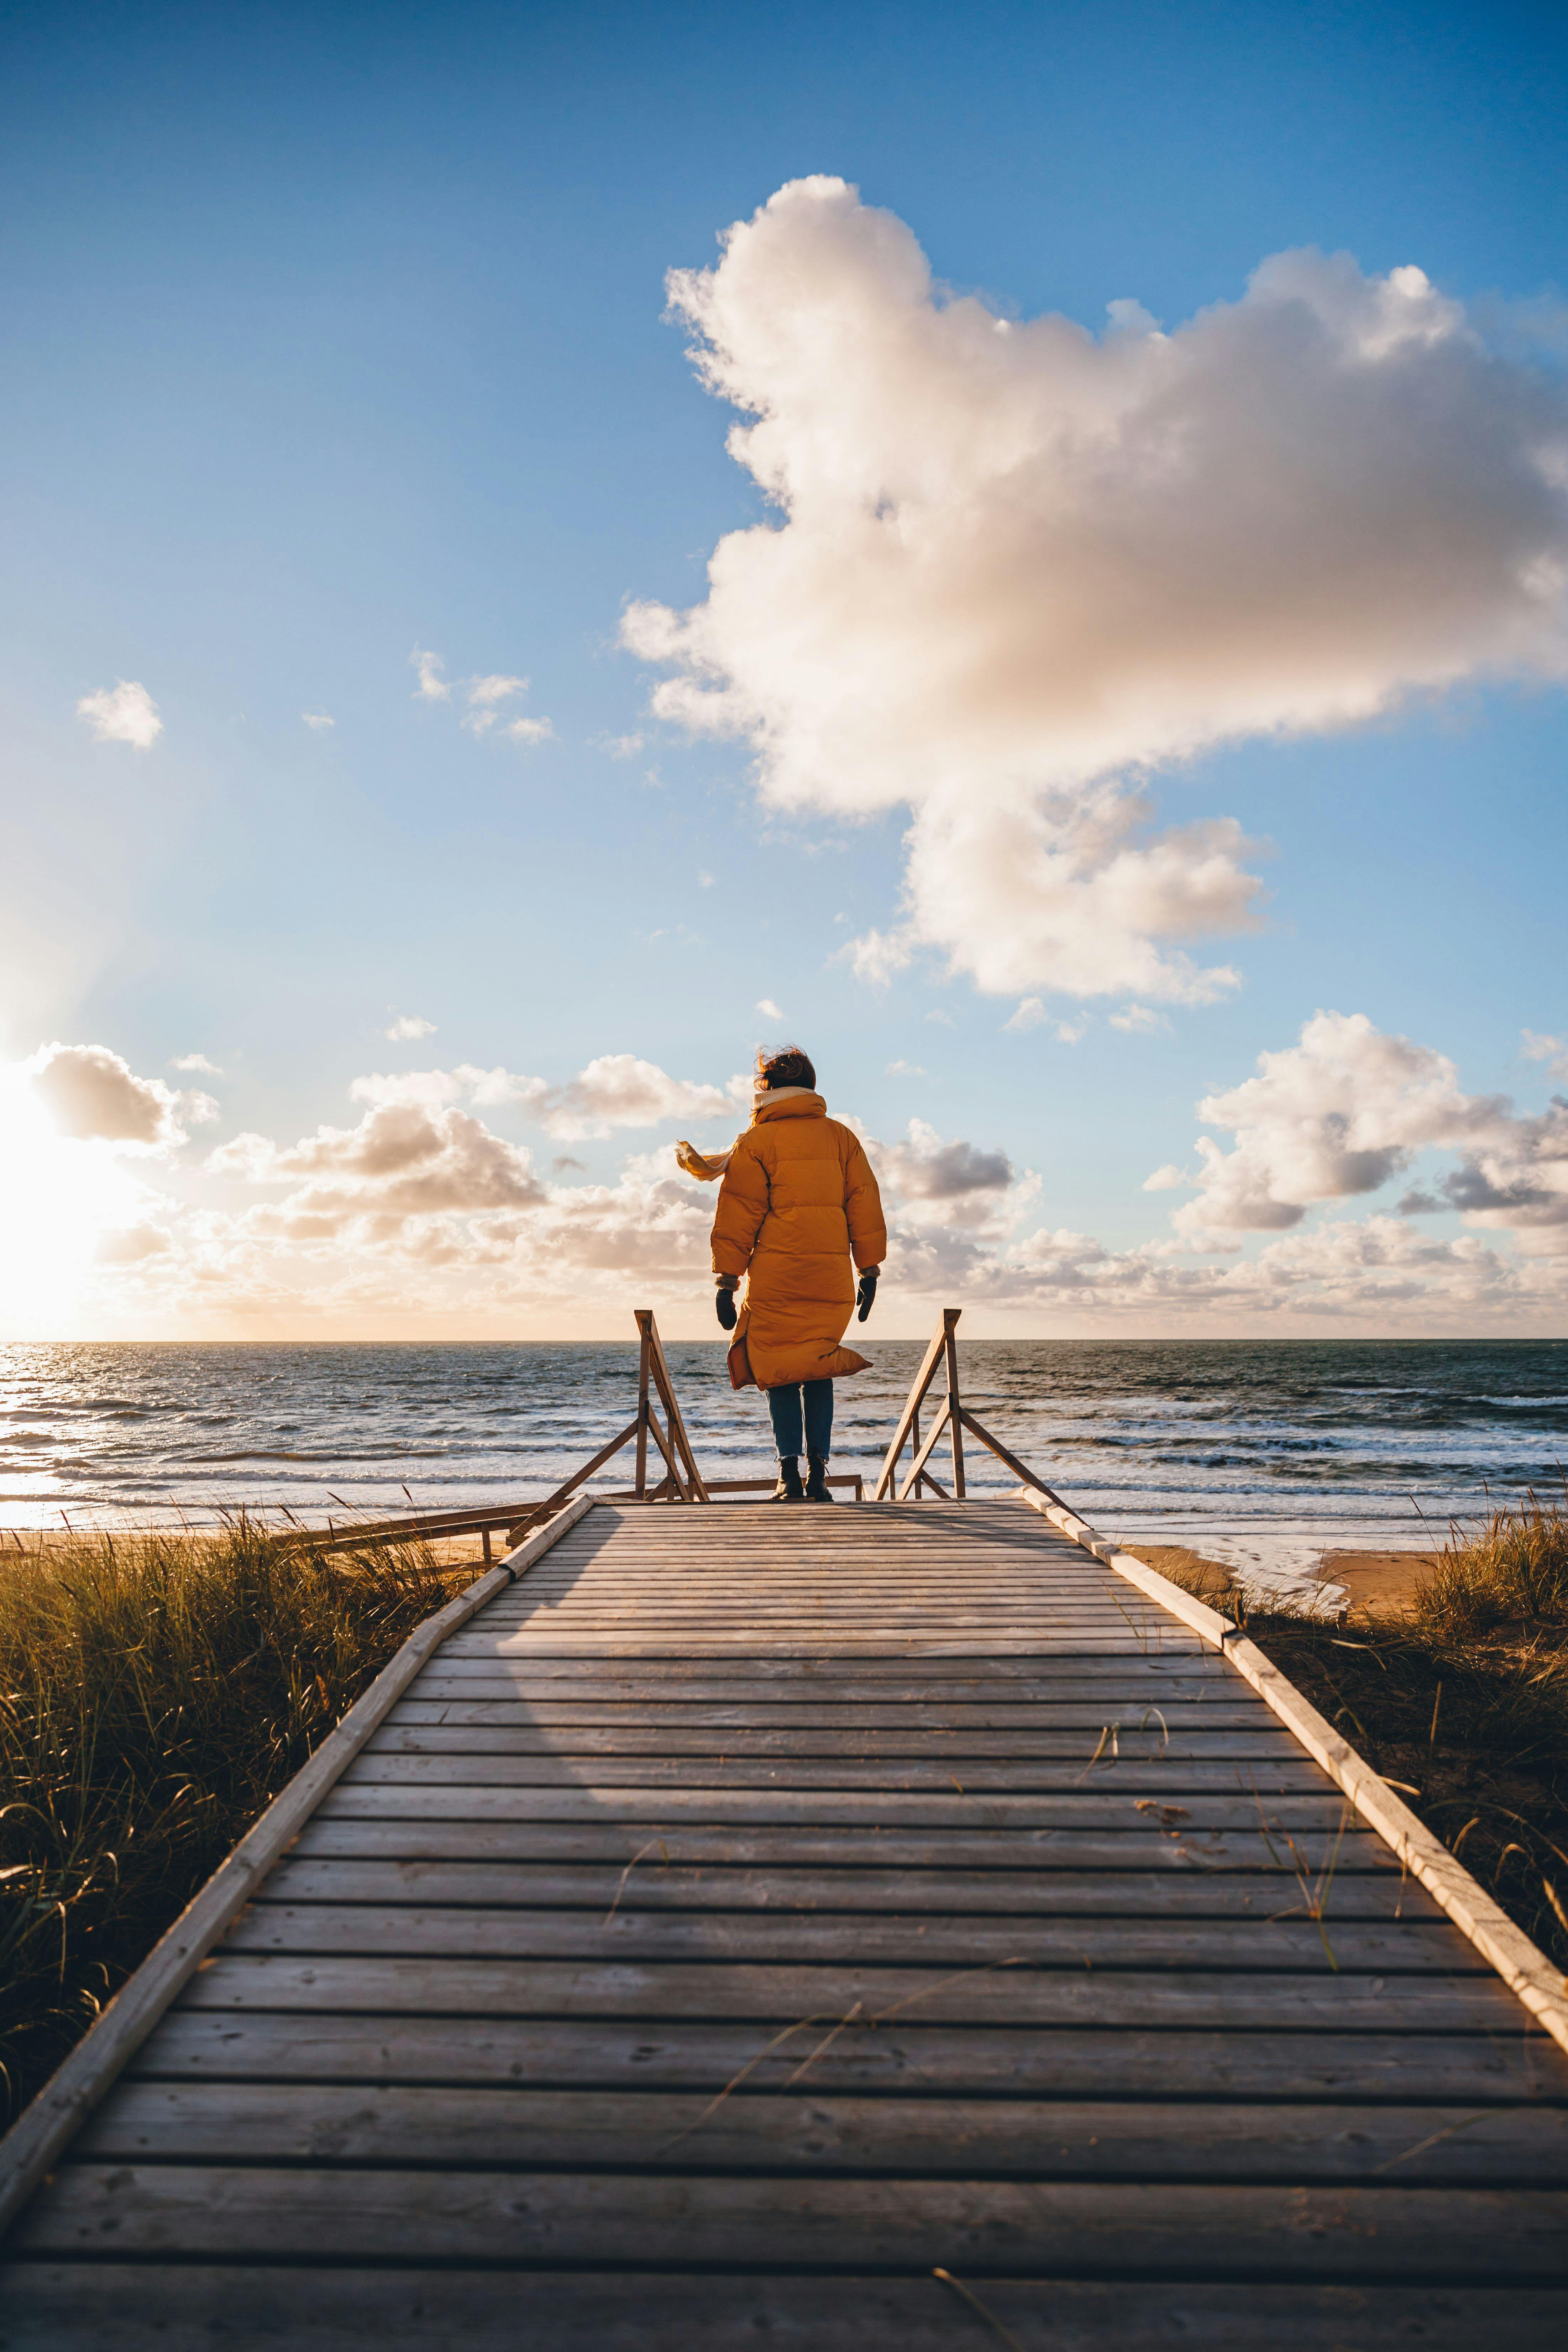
[(1268, 1454)]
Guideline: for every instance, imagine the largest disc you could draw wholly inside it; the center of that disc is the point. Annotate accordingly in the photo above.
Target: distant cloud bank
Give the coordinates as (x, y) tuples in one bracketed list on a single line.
[(422, 1207)]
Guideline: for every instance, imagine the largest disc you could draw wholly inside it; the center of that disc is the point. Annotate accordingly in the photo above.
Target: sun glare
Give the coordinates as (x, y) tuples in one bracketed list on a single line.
[(57, 1199)]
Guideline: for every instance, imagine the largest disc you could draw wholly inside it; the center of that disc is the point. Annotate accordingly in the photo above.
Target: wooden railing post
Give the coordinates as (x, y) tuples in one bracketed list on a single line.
[(936, 1355), (642, 1409), (694, 1490), (954, 1409)]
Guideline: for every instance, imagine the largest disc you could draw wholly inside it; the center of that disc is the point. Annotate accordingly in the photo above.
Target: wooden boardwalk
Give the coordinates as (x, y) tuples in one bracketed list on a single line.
[(881, 1926)]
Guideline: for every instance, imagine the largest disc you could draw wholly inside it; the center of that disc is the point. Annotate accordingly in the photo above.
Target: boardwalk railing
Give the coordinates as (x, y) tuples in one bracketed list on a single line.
[(953, 1416), (681, 1481)]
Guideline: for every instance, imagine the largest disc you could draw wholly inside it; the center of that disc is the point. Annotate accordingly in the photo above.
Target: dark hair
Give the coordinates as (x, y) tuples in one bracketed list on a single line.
[(788, 1067)]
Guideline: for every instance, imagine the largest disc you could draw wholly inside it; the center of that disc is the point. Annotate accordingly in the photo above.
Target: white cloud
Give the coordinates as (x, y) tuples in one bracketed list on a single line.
[(875, 957), (928, 1169), (1349, 1107), (705, 881), (131, 1245), (318, 720), (1015, 563), (1031, 1011), (768, 1008), (196, 1108), (485, 696), (124, 713), (91, 1095), (617, 1090), (1139, 1019), (905, 1070), (432, 686), (1552, 1051), (623, 747), (410, 1025), (197, 1062), (614, 1090), (1169, 1179)]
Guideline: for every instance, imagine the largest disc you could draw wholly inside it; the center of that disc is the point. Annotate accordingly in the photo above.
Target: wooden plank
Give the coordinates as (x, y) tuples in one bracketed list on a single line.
[(655, 1884), (586, 1800), (630, 1636), (1125, 1841), (1157, 1776), (685, 1604), (782, 1995), (1190, 1667), (733, 1642), (657, 1737), (192, 2307), (992, 1589), (937, 1719), (414, 1931), (47, 2126), (835, 1577), (977, 2228), (1191, 1677), (781, 2132), (900, 2059)]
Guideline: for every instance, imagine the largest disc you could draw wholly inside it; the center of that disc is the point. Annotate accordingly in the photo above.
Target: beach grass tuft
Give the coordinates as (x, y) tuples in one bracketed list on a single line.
[(1514, 1573), (157, 1691), (1460, 1698)]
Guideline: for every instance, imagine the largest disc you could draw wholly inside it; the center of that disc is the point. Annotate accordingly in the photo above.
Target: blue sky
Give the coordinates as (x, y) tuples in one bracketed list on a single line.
[(331, 340)]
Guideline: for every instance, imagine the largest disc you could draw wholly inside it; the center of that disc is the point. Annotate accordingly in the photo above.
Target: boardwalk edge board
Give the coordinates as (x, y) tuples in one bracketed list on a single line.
[(48, 2124), (1522, 1966)]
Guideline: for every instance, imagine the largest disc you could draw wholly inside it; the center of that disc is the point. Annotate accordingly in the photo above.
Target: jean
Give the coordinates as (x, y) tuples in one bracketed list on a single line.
[(784, 1405)]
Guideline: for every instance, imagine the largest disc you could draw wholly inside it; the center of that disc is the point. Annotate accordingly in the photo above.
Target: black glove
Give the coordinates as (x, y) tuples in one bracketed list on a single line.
[(724, 1308), (867, 1294)]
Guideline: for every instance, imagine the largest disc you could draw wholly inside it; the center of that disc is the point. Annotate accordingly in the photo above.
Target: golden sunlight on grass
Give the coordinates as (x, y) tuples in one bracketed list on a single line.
[(156, 1692)]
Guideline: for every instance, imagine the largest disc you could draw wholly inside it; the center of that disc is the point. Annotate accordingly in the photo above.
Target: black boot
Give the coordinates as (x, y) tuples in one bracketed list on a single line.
[(789, 1489), (816, 1487)]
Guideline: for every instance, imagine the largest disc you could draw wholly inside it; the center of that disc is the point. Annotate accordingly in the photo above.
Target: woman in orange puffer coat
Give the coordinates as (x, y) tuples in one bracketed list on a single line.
[(797, 1201)]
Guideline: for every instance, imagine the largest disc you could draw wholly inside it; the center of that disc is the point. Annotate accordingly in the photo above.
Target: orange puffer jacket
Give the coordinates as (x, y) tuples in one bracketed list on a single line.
[(798, 1195)]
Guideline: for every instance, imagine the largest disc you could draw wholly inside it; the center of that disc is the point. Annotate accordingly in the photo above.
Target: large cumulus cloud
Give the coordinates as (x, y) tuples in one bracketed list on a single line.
[(1015, 563)]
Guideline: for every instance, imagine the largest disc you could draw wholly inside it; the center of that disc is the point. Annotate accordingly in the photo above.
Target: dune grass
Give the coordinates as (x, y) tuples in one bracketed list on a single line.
[(156, 1692), (1462, 1699)]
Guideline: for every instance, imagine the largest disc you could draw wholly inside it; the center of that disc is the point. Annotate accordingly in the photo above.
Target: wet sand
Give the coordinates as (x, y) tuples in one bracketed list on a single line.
[(1378, 1580), (1371, 1580)]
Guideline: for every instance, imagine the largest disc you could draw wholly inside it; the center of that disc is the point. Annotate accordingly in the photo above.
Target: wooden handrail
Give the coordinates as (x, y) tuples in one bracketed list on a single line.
[(913, 1403), (953, 1416), (652, 1359), (683, 1481)]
